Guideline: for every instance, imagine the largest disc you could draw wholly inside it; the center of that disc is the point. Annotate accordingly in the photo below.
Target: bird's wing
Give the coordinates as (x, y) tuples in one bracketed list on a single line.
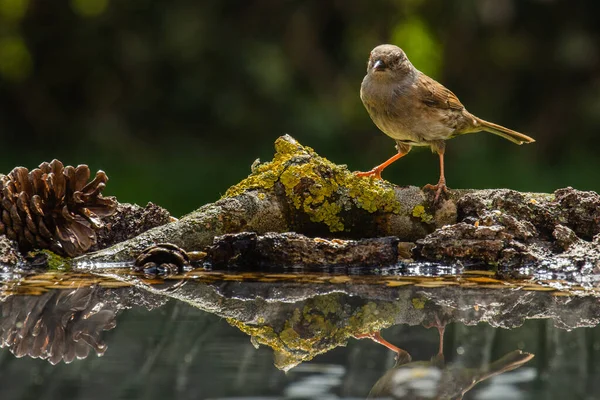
[(435, 95)]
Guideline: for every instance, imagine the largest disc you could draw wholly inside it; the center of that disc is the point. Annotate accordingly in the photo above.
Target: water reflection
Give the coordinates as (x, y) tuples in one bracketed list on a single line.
[(58, 325), (434, 379), (195, 344)]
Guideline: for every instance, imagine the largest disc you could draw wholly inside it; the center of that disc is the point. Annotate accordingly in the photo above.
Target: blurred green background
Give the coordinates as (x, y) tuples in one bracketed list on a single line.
[(175, 100)]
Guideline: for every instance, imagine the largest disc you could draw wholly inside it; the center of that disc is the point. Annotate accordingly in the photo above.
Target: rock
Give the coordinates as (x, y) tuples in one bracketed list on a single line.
[(252, 251)]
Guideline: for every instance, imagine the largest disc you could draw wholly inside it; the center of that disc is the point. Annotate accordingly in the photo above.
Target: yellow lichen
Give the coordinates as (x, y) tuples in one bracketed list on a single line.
[(370, 194), (289, 336), (323, 323), (263, 334), (419, 212), (329, 304), (317, 186), (265, 175), (372, 317), (418, 303)]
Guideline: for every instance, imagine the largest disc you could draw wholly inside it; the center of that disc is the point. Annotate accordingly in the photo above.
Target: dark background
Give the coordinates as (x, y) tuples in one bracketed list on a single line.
[(175, 100)]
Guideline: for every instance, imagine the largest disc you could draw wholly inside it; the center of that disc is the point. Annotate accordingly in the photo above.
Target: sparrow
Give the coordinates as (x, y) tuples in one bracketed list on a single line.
[(415, 110)]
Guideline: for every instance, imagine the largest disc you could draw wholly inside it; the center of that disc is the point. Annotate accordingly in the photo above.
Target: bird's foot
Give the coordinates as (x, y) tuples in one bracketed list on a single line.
[(436, 323), (376, 172), (439, 188), (369, 335)]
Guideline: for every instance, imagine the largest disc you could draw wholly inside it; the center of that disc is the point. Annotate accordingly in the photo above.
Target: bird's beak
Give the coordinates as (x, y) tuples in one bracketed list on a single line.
[(379, 65)]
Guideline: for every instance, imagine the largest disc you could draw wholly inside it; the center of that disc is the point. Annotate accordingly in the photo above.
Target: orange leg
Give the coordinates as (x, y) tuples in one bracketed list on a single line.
[(403, 150), (441, 327), (441, 185), (377, 170), (376, 337)]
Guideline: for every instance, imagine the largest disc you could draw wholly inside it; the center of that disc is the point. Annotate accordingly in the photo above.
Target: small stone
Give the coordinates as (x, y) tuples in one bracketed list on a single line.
[(564, 236), (405, 251)]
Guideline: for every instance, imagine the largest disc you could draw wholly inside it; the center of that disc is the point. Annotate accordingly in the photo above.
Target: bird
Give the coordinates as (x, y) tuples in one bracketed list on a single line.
[(415, 110)]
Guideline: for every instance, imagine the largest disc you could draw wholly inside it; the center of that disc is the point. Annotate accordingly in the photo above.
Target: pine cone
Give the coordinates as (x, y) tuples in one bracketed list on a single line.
[(53, 207)]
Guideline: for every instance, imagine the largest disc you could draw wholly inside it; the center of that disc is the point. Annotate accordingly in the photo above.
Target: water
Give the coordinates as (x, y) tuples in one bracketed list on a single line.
[(234, 336)]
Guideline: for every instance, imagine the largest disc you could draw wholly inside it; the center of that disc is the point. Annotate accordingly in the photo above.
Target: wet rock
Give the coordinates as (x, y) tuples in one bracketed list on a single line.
[(538, 210), (575, 209), (129, 221), (249, 250), (519, 229), (463, 241), (580, 256), (9, 255), (564, 236), (580, 210)]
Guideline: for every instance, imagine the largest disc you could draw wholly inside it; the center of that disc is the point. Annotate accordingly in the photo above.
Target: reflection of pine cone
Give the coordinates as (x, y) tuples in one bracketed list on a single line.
[(53, 207), (57, 325)]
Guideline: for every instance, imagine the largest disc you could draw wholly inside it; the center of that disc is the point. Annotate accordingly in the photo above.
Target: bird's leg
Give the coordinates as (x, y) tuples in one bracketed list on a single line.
[(376, 337), (440, 148), (403, 150), (441, 327)]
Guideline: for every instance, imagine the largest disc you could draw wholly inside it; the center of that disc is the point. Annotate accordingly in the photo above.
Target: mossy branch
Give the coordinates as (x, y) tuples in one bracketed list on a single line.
[(300, 191)]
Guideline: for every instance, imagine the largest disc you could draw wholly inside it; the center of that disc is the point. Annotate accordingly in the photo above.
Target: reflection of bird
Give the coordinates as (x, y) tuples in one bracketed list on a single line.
[(415, 110), (434, 379)]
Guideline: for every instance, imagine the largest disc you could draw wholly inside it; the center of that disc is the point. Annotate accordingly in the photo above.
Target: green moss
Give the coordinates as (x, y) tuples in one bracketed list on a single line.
[(317, 186), (55, 262), (419, 212)]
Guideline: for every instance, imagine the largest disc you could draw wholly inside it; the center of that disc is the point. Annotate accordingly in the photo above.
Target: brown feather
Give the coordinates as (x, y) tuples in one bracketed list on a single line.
[(436, 95)]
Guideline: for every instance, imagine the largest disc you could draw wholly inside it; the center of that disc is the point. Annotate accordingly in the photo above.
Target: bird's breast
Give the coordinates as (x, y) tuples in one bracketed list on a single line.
[(398, 113)]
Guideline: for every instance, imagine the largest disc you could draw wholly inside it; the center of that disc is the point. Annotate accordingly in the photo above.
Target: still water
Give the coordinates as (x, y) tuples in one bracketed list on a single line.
[(295, 336)]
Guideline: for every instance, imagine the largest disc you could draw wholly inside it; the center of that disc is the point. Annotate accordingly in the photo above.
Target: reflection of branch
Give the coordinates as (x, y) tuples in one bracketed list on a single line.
[(58, 325), (301, 316)]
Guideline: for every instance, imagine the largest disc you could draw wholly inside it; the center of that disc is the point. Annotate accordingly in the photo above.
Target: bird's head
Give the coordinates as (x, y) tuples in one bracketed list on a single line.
[(388, 61)]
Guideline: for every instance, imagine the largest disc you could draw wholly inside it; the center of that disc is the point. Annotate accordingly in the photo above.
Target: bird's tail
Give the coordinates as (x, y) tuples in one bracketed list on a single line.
[(506, 133), (510, 361)]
